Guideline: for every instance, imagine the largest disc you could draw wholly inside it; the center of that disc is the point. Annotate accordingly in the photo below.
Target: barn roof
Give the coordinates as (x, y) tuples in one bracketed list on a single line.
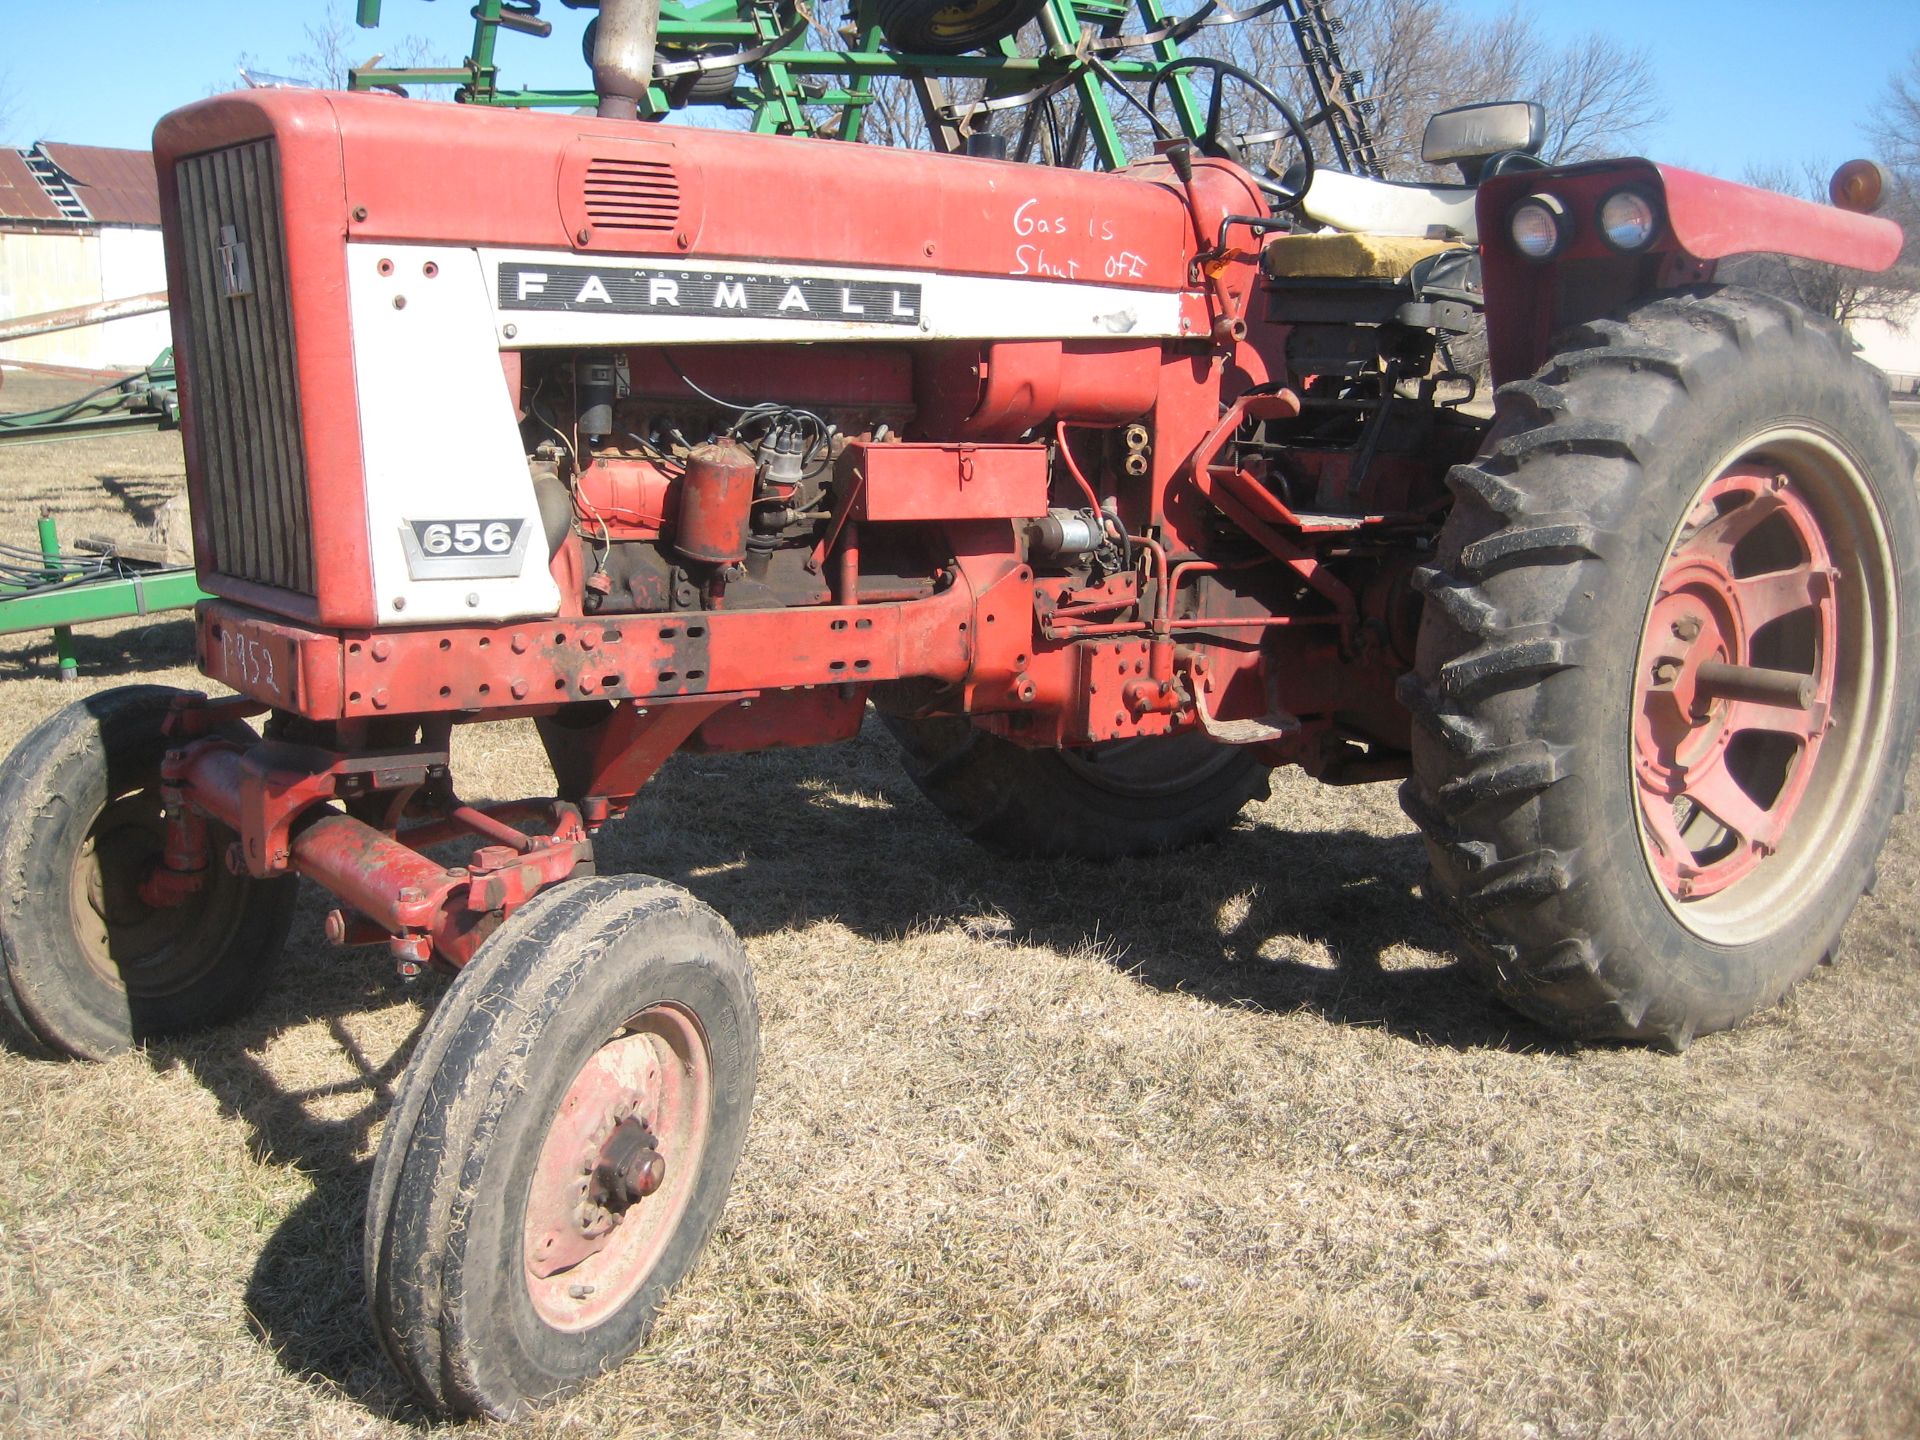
[(117, 186), (21, 197), (84, 185)]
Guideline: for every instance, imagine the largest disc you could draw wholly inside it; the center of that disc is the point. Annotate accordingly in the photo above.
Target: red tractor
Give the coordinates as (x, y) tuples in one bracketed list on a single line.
[(1109, 491)]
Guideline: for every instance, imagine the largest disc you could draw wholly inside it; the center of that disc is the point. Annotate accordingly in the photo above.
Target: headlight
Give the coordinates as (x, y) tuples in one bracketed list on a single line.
[(1539, 227), (1629, 220)]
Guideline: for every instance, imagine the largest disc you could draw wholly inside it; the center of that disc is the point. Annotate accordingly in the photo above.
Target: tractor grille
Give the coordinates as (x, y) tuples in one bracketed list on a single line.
[(238, 339), (623, 194)]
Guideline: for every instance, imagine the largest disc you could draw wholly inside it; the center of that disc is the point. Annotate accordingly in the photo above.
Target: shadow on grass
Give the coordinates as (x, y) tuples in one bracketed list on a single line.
[(160, 644), (141, 496), (1275, 920), (306, 1296), (1317, 919)]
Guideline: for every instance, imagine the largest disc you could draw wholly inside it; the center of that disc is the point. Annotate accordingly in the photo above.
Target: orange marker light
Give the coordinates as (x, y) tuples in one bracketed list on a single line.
[(1859, 185)]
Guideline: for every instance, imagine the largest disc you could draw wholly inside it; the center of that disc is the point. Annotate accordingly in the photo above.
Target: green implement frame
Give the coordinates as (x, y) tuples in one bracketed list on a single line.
[(790, 77), (67, 590)]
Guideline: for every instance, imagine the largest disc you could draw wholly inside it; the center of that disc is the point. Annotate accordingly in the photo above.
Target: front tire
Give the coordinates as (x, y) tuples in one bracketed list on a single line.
[(90, 968), (1666, 678), (562, 1144)]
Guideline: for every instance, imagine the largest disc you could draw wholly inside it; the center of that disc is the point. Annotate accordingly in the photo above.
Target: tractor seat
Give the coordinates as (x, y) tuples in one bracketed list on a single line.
[(1390, 207), (1322, 284)]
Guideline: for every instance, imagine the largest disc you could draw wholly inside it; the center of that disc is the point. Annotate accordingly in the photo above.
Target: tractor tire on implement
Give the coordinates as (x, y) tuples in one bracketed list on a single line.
[(562, 1144), (1128, 797), (1669, 666), (90, 967)]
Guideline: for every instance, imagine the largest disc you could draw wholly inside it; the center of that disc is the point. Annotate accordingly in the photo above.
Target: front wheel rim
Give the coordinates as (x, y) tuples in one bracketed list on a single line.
[(617, 1168), (1760, 700)]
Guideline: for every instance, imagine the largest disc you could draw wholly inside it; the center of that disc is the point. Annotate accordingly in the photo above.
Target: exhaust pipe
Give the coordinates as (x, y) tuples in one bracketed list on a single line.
[(623, 42)]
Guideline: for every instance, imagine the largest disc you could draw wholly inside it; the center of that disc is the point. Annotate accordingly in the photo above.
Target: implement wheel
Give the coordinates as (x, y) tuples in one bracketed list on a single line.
[(90, 967), (951, 27), (1128, 797), (1669, 668), (561, 1145)]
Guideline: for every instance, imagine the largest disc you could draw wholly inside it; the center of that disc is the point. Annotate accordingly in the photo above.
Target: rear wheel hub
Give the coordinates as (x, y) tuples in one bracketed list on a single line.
[(1735, 680)]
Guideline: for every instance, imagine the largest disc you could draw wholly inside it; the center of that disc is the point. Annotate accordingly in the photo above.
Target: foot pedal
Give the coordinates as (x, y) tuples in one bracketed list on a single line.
[(1275, 726)]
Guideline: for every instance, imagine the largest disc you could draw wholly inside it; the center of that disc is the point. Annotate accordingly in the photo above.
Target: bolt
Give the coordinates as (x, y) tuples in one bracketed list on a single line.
[(399, 602), (928, 247), (381, 649), (587, 642), (473, 599), (1687, 628), (399, 302), (518, 644), (379, 698), (336, 927), (683, 240), (411, 895), (359, 212), (509, 331), (1666, 672), (579, 1292), (519, 689), (429, 269), (584, 236), (385, 267), (646, 1172)]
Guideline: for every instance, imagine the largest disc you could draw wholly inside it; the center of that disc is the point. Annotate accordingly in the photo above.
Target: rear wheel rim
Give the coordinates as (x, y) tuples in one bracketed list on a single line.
[(1778, 569), (143, 950), (586, 1254)]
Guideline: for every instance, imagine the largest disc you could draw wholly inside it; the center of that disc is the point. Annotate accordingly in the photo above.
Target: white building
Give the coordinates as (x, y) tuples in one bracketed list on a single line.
[(1894, 348), (81, 224)]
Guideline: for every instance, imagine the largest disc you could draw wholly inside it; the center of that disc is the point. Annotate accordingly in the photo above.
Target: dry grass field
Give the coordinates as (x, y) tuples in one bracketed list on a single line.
[(1223, 1145)]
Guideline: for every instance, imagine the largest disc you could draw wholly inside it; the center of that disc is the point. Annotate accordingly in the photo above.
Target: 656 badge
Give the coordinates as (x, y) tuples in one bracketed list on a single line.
[(477, 549)]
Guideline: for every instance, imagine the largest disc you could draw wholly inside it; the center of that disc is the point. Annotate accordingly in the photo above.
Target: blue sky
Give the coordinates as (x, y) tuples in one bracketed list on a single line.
[(1744, 84)]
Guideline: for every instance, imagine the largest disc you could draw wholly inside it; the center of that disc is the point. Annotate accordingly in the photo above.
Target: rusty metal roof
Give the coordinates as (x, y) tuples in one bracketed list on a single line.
[(21, 197), (118, 187)]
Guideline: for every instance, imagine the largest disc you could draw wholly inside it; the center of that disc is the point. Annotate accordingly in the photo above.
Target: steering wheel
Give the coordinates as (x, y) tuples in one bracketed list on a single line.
[(1285, 187)]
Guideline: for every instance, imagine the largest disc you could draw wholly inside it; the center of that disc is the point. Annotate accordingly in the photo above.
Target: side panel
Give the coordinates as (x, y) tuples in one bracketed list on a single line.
[(453, 527)]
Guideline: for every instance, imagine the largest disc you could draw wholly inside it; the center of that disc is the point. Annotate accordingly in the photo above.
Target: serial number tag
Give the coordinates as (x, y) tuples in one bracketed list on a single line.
[(255, 664), (464, 549)]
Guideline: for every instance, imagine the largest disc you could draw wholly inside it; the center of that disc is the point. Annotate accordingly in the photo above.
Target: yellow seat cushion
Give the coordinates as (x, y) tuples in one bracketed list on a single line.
[(1348, 256)]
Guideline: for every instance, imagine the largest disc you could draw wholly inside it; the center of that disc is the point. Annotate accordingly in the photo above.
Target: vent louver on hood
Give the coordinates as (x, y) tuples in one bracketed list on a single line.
[(628, 194)]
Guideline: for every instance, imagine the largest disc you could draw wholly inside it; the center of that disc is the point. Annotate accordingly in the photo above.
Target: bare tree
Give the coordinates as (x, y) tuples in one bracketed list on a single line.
[(1840, 294), (1852, 295), (1417, 57), (9, 103), (1421, 56), (334, 45), (1895, 121)]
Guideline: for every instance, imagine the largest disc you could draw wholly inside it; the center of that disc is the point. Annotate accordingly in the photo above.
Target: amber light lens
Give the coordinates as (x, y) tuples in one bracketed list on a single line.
[(1858, 185)]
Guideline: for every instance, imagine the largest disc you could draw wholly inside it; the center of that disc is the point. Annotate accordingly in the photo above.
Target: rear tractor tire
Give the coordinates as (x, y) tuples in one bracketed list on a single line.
[(1128, 797), (561, 1145), (90, 969), (1669, 668)]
